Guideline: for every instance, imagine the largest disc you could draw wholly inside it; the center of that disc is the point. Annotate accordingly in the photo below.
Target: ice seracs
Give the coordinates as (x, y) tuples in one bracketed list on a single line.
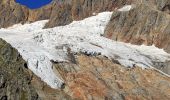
[(41, 46)]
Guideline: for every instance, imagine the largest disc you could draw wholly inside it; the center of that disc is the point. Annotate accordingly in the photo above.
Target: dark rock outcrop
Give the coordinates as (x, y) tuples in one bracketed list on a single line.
[(15, 80)]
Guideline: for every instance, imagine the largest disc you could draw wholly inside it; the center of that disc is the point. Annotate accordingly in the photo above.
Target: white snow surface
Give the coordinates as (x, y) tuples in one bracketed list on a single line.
[(41, 46), (126, 8)]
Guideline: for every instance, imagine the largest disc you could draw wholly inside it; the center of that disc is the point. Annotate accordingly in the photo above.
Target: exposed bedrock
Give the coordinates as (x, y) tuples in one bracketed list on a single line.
[(141, 25)]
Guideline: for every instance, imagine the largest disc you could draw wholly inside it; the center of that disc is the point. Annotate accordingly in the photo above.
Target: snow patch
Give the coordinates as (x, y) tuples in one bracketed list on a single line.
[(126, 8)]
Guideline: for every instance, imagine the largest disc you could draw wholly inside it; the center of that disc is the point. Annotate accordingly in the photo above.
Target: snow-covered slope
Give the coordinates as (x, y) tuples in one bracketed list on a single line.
[(41, 46)]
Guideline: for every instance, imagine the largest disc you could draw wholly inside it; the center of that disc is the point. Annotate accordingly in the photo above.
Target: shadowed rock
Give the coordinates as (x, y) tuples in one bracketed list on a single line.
[(15, 80)]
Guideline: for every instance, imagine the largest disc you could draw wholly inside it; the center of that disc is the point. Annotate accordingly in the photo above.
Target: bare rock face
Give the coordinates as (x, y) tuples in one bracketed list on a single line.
[(15, 80), (143, 24), (58, 12), (97, 78)]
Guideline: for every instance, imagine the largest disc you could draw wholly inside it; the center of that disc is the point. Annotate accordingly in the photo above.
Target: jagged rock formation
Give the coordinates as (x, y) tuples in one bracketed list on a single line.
[(15, 80), (144, 24), (57, 13)]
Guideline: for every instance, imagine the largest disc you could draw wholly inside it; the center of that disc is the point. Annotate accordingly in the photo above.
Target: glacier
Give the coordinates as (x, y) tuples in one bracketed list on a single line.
[(40, 46)]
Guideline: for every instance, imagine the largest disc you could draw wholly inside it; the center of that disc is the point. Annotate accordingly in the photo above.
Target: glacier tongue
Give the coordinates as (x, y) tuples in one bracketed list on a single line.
[(39, 46)]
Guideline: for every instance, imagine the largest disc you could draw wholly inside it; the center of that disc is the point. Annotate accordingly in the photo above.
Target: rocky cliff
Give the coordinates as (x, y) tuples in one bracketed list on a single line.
[(147, 23)]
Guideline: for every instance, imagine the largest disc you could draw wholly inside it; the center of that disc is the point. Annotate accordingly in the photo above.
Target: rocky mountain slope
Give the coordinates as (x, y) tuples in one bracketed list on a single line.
[(77, 60)]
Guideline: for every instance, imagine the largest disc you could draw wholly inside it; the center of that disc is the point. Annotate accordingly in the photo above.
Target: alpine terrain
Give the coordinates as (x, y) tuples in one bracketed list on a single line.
[(85, 50)]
